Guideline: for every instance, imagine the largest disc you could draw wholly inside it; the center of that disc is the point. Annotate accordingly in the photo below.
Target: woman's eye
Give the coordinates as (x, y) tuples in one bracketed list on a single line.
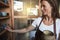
[(42, 6)]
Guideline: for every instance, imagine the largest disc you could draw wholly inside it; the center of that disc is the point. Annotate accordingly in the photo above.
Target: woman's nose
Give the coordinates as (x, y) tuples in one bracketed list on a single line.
[(41, 8)]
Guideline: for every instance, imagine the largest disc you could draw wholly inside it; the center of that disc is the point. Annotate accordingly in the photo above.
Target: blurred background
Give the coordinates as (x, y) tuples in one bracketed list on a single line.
[(25, 11)]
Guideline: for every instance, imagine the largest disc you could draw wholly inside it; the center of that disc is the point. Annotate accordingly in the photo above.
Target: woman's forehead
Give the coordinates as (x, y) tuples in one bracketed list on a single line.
[(44, 2)]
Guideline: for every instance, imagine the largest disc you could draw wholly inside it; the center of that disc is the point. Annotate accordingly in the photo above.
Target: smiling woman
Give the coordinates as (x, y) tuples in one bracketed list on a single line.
[(49, 22)]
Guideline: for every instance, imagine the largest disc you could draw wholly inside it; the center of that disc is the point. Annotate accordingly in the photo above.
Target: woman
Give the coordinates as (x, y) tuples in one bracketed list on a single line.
[(50, 11)]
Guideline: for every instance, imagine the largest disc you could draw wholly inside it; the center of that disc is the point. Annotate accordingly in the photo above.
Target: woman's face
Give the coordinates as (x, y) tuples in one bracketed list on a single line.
[(46, 8)]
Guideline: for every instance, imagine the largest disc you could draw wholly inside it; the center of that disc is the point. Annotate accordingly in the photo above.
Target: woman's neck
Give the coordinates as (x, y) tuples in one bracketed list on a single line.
[(48, 20)]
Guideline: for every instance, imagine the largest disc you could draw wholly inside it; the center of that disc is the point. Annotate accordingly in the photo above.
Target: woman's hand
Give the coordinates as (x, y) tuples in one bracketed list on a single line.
[(9, 29)]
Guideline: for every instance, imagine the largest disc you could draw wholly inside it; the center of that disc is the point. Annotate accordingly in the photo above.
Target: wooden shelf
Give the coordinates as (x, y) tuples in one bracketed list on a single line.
[(2, 4), (20, 16), (2, 32), (4, 18)]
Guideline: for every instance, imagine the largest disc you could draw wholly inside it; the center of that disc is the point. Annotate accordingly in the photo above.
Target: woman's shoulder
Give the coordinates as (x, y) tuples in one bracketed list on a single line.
[(58, 20), (39, 18)]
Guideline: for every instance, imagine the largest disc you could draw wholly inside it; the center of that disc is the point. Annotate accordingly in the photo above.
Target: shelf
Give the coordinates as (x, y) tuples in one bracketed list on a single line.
[(4, 18), (20, 16), (2, 32), (2, 4)]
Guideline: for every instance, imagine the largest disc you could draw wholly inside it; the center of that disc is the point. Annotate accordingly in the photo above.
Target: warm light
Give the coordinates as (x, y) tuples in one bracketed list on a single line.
[(18, 6), (37, 6), (32, 11)]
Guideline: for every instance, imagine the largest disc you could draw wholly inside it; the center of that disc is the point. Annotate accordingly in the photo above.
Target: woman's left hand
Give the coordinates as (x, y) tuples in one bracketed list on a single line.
[(8, 28)]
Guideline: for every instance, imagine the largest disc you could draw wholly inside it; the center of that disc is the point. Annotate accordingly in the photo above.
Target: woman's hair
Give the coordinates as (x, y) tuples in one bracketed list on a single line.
[(55, 7)]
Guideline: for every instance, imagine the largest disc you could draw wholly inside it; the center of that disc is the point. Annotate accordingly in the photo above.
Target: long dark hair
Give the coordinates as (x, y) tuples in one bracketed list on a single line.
[(55, 12), (55, 8)]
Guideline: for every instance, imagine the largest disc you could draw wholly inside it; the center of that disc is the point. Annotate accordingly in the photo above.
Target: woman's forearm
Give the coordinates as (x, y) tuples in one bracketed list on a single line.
[(20, 31), (24, 30)]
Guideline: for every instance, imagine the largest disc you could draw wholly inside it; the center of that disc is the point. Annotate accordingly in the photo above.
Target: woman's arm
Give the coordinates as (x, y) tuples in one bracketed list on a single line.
[(24, 30)]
